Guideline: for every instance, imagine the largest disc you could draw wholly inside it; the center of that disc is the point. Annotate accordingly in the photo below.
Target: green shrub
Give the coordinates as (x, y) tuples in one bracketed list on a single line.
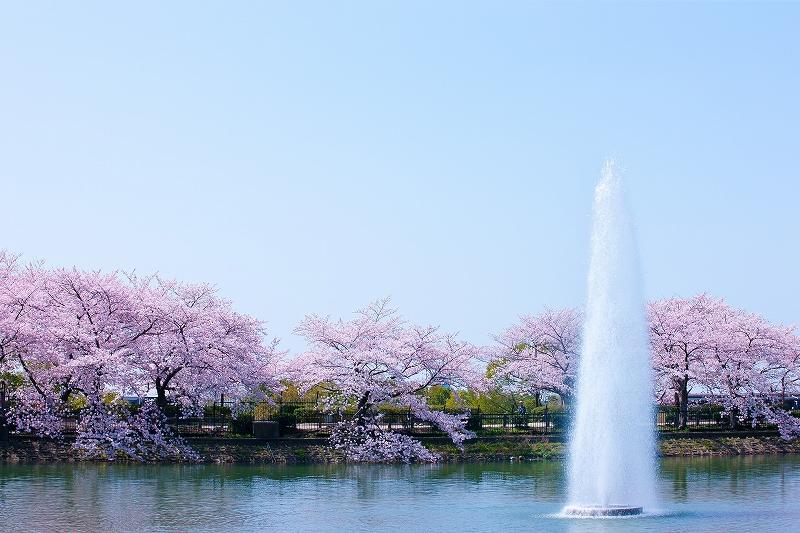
[(242, 425), (304, 414), (393, 410), (217, 410)]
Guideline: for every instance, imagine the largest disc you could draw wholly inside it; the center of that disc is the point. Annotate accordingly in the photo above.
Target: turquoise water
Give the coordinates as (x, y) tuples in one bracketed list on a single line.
[(702, 494)]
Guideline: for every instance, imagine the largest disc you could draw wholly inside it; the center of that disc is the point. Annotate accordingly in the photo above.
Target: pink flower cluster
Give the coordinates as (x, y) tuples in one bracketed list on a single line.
[(699, 344), (539, 354), (79, 341), (369, 443), (111, 431), (377, 359)]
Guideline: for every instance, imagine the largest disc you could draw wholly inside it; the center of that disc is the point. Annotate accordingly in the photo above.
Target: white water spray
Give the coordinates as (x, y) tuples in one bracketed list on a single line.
[(612, 446)]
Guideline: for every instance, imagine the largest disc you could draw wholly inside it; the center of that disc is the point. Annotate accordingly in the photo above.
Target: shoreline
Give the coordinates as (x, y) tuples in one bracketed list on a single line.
[(25, 450)]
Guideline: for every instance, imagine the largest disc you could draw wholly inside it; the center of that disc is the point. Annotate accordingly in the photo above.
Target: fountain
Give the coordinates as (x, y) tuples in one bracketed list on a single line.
[(612, 445)]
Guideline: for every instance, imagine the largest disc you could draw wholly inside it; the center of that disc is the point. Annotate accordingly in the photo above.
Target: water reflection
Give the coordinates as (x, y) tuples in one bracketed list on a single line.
[(708, 494)]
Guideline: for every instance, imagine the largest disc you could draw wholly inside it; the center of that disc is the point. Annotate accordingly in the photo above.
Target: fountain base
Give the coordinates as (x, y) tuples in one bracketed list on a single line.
[(589, 511)]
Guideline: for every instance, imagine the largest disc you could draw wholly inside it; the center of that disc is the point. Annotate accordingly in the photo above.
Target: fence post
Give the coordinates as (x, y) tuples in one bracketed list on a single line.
[(546, 421)]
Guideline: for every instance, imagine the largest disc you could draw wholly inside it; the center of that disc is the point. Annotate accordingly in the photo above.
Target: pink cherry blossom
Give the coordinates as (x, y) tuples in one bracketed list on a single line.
[(539, 354), (74, 339), (378, 359)]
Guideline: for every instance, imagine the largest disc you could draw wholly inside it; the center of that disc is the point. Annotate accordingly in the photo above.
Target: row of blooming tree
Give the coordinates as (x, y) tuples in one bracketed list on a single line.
[(377, 359), (79, 342), (699, 343)]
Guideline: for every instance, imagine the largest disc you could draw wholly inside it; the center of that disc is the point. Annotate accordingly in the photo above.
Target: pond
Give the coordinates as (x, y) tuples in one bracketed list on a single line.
[(699, 494)]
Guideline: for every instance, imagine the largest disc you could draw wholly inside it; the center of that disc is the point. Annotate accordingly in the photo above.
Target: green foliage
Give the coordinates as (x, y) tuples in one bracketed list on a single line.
[(493, 401), (76, 402), (505, 449), (438, 395), (300, 453), (242, 425), (291, 393), (550, 407), (304, 414), (492, 367), (393, 409), (263, 410), (217, 410), (12, 380), (692, 409)]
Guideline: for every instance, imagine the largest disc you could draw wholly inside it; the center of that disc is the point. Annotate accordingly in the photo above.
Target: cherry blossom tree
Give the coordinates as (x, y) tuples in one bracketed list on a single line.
[(377, 359), (737, 356), (107, 431), (199, 347), (681, 334), (80, 341), (87, 327), (697, 342), (73, 341), (745, 356), (90, 326), (787, 366), (18, 291), (539, 353)]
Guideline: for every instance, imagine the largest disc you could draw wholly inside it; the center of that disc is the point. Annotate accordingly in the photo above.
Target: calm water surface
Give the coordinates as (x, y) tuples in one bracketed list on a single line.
[(722, 494)]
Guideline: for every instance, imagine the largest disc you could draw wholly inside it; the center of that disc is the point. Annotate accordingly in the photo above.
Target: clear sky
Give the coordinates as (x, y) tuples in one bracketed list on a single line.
[(311, 157)]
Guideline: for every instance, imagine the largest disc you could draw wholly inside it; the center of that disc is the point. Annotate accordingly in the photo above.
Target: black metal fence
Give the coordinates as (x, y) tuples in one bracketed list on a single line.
[(238, 417), (307, 417), (297, 417), (711, 419), (406, 422)]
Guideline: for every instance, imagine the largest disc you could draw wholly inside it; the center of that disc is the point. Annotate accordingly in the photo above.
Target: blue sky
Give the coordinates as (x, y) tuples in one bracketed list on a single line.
[(311, 157)]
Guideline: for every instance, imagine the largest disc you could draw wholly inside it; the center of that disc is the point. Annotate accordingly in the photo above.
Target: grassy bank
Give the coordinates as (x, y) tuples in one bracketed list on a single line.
[(526, 450), (316, 451)]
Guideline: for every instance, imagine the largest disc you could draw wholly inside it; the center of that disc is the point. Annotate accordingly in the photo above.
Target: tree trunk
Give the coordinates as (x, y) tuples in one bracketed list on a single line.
[(732, 422), (683, 408), (677, 408), (566, 399), (783, 392), (161, 398), (3, 422), (362, 409), (162, 385)]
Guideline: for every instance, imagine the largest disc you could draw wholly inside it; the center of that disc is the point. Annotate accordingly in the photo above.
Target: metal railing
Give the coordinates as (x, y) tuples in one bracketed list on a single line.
[(307, 417)]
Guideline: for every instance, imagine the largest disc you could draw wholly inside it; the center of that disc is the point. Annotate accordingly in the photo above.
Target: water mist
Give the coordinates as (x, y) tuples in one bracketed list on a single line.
[(612, 445)]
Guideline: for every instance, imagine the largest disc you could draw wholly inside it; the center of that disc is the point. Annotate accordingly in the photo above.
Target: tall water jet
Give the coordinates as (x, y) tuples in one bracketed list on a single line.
[(612, 445)]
